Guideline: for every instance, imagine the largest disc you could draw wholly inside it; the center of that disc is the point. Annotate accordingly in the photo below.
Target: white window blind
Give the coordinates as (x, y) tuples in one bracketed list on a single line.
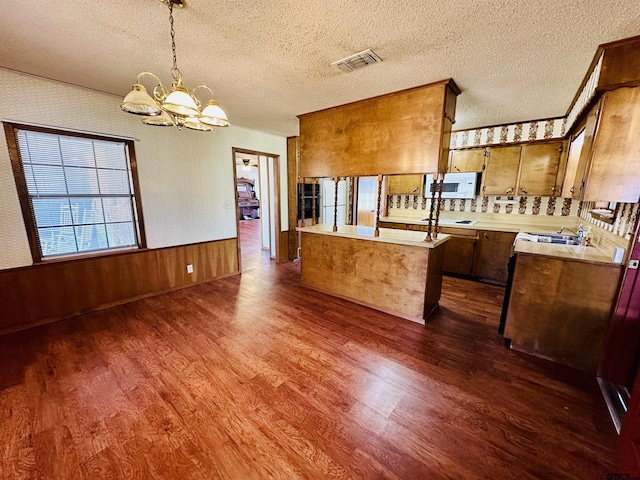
[(80, 192)]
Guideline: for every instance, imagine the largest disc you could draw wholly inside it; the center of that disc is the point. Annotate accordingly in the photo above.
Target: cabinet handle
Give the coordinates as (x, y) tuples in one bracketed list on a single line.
[(510, 190), (523, 190), (572, 189)]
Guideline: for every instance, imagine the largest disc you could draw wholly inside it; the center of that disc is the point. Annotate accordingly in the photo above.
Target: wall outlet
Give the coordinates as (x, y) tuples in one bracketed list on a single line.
[(189, 268), (633, 264)]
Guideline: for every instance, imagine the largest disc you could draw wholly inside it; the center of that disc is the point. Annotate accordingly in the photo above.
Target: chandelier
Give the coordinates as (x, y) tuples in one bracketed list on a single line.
[(177, 106)]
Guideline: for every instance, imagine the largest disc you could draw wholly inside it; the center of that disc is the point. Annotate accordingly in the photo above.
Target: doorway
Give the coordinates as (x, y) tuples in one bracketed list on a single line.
[(366, 201), (256, 178)]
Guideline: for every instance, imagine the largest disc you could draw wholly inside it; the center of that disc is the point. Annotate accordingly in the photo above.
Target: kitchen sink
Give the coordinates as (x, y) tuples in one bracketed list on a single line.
[(557, 239)]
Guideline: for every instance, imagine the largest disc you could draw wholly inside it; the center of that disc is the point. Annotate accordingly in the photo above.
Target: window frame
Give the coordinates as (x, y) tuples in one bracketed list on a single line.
[(10, 130)]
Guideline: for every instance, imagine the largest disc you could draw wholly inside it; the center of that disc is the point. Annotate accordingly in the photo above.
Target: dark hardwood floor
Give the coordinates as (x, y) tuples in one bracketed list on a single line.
[(256, 377)]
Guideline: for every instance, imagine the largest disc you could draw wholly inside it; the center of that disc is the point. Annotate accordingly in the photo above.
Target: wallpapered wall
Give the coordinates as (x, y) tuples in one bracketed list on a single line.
[(512, 133), (186, 177), (623, 225)]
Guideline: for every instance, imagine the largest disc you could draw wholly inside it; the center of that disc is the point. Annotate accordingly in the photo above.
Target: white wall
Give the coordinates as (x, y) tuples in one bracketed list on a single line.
[(186, 177)]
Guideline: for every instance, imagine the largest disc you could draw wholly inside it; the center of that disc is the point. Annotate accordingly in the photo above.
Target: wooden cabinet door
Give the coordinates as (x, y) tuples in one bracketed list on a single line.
[(501, 171), (577, 189), (471, 160), (492, 256), (573, 158), (539, 168), (405, 184), (614, 171), (460, 250), (458, 257)]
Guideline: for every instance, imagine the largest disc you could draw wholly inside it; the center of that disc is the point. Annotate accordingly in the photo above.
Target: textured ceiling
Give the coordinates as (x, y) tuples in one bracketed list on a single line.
[(269, 61)]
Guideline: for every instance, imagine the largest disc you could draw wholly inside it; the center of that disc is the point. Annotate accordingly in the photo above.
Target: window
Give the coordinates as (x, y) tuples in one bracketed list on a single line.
[(78, 192)]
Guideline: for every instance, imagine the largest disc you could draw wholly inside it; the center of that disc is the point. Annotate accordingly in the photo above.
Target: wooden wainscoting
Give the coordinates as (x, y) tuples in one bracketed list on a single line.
[(55, 290)]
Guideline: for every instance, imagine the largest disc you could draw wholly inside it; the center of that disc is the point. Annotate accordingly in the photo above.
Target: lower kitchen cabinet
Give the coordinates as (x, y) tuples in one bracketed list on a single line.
[(483, 255), (460, 251), (559, 309), (492, 256)]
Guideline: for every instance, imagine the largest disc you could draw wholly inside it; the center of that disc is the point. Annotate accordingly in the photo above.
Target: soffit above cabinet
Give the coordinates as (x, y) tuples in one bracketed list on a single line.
[(397, 133)]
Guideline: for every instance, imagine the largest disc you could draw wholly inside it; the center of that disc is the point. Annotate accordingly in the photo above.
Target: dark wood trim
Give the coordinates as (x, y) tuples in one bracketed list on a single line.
[(293, 147), (67, 133), (276, 206), (23, 193), (448, 82), (234, 151), (133, 163), (276, 180)]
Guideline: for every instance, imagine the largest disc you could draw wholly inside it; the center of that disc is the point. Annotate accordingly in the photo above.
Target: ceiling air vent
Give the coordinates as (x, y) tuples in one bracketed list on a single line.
[(358, 60)]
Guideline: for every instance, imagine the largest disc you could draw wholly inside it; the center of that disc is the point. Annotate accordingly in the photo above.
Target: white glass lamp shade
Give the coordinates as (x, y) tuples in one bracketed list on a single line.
[(214, 115), (179, 102), (194, 124), (139, 102), (162, 120)]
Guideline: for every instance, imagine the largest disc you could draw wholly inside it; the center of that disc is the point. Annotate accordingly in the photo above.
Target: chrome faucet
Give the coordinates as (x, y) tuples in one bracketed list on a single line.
[(581, 232)]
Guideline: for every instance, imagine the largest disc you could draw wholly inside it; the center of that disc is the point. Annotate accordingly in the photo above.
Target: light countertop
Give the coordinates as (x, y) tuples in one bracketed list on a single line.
[(601, 249), (387, 235)]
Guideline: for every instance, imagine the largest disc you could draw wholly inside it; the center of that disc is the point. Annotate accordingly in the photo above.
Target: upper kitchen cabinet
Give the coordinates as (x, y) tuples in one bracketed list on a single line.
[(406, 132), (501, 171), (606, 112), (469, 160), (528, 169), (405, 184), (613, 171), (539, 165)]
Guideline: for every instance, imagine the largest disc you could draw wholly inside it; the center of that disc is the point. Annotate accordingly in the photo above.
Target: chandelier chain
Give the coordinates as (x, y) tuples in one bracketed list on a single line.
[(175, 71)]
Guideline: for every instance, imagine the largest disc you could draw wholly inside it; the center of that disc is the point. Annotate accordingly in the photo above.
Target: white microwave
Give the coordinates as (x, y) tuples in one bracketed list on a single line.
[(455, 185)]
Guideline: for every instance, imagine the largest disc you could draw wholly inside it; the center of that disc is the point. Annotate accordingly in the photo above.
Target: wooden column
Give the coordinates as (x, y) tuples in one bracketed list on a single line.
[(440, 184), (376, 233), (313, 201), (351, 196), (429, 238), (335, 204), (302, 203)]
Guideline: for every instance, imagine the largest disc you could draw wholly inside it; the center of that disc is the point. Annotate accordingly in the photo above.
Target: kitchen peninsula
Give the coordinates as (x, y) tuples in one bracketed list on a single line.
[(406, 132), (397, 272)]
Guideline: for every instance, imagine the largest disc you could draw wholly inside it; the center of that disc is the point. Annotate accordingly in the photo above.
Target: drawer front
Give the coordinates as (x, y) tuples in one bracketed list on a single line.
[(459, 232)]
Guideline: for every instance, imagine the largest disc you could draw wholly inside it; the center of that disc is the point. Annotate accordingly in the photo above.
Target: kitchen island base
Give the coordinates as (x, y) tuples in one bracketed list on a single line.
[(401, 276)]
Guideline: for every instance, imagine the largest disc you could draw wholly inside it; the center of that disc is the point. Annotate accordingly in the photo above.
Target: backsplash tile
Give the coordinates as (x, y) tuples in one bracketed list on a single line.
[(623, 225)]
